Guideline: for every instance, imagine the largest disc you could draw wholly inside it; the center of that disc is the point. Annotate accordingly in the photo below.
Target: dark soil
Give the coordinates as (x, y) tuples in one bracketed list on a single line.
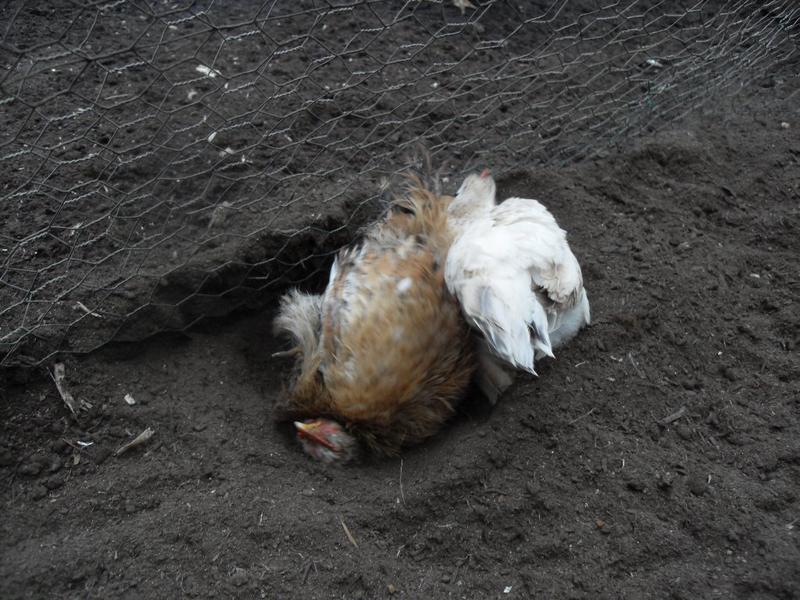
[(154, 195), (657, 457)]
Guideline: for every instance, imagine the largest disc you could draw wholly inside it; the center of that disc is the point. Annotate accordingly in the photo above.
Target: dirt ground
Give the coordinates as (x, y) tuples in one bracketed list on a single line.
[(657, 457)]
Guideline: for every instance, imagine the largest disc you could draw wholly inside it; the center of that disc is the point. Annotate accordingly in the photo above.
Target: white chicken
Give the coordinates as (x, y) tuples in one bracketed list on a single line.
[(516, 279)]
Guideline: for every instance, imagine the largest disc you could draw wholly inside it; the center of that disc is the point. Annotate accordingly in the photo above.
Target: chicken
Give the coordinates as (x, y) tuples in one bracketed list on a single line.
[(516, 279), (384, 355)]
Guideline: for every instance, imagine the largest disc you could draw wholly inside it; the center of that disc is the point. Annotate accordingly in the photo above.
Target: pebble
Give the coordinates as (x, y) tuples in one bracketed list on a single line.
[(54, 482), (690, 383), (54, 464), (697, 484), (730, 374), (239, 577), (665, 480), (38, 492), (635, 484), (30, 469), (391, 589), (599, 523)]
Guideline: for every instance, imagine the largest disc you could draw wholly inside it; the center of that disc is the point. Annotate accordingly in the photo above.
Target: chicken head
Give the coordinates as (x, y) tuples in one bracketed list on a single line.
[(475, 196), (326, 440)]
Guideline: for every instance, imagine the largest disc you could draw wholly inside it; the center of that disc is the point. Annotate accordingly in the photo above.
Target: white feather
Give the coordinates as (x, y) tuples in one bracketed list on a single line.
[(299, 316), (512, 270)]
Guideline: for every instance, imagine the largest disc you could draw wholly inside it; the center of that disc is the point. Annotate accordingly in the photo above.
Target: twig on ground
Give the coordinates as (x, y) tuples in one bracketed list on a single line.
[(646, 383), (59, 377), (347, 533), (583, 416), (402, 495), (307, 571), (137, 441), (673, 417), (636, 367)]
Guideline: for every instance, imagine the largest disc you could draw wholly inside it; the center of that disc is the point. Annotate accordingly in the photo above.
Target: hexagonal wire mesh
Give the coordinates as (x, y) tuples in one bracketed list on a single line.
[(163, 161)]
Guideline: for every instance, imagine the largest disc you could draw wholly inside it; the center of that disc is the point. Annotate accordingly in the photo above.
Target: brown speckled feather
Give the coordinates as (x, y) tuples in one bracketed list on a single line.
[(394, 356)]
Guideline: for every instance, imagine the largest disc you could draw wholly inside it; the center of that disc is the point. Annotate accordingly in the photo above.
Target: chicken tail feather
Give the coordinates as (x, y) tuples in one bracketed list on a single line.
[(506, 334), (299, 316)]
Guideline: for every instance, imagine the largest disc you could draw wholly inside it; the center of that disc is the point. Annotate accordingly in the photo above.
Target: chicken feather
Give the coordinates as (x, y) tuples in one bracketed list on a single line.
[(385, 350), (517, 280)]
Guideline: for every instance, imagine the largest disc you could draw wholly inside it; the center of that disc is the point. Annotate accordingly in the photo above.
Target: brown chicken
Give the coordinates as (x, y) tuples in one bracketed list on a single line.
[(384, 355)]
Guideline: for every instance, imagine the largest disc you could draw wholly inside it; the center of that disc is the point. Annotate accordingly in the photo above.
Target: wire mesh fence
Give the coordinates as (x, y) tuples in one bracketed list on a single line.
[(166, 161)]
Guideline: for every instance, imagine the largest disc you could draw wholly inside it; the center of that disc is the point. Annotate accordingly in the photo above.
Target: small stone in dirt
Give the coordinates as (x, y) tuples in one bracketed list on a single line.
[(38, 492), (445, 578), (54, 464), (736, 439), (730, 373), (391, 589), (690, 383), (60, 446), (54, 482), (684, 432), (748, 331), (30, 469), (665, 480), (697, 484), (635, 484), (239, 577)]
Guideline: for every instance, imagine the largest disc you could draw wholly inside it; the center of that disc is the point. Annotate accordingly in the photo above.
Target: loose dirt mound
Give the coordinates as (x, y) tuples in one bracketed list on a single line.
[(658, 456)]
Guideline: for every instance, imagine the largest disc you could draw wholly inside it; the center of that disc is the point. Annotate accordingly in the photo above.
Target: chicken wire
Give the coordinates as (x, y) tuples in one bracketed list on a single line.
[(166, 161)]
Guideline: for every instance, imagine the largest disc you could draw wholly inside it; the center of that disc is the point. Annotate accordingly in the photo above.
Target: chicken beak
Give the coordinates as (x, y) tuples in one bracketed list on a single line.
[(303, 428), (485, 173), (311, 431)]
